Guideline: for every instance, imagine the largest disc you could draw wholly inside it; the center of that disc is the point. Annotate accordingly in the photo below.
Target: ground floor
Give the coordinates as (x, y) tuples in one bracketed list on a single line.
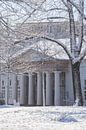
[(41, 88), (52, 87)]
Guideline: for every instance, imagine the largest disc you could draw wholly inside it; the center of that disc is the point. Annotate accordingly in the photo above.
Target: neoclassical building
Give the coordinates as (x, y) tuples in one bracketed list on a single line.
[(47, 82), (36, 78)]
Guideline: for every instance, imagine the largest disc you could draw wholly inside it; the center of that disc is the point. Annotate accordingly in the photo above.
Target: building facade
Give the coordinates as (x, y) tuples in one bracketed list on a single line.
[(42, 83), (36, 78)]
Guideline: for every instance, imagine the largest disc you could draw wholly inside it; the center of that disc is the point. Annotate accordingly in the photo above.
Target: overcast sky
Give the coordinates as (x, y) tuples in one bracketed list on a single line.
[(18, 12)]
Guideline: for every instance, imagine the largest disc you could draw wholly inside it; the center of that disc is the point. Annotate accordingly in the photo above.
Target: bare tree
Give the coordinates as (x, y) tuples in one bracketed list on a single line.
[(77, 52), (71, 10), (68, 11)]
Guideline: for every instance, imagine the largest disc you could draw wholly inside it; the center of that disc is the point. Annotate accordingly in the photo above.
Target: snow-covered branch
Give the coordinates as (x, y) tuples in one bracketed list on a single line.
[(61, 9), (64, 3), (78, 9), (80, 57), (81, 6), (72, 27), (60, 44), (57, 18)]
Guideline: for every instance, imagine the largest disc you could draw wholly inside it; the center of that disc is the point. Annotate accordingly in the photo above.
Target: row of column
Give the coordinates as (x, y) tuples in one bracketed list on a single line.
[(40, 87)]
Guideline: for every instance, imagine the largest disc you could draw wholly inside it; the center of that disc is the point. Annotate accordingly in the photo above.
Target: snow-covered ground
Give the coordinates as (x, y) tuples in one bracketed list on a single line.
[(42, 118)]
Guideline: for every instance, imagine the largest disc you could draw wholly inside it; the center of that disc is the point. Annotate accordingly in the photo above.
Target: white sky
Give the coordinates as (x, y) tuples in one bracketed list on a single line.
[(18, 12)]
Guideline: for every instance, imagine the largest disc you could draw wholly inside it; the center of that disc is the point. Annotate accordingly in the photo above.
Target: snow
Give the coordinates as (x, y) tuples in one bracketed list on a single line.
[(45, 46), (42, 118)]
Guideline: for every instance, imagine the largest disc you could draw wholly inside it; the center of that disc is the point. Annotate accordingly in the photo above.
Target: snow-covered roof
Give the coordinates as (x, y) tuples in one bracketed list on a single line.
[(47, 48)]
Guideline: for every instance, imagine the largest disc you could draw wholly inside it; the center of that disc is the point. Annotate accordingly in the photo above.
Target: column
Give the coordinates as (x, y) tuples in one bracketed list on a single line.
[(22, 92), (48, 89), (39, 89), (26, 88), (31, 90), (14, 89), (7, 89), (57, 89)]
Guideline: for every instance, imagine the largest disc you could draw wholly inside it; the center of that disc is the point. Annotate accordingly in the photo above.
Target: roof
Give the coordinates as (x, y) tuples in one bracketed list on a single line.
[(47, 48)]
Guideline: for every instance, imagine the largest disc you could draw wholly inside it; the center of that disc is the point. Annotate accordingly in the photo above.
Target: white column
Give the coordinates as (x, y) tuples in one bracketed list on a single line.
[(31, 90), (22, 93), (14, 89), (57, 89), (48, 89), (39, 89), (44, 94), (7, 90)]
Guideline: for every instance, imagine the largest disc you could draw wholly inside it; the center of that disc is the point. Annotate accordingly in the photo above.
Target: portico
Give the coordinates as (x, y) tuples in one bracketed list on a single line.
[(40, 82), (35, 88)]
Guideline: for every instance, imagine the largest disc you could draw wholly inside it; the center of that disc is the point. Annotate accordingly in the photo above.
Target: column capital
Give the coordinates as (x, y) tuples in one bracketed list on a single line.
[(38, 72), (29, 73)]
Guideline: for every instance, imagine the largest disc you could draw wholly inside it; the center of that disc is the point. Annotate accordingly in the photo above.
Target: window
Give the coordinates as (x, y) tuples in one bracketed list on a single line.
[(17, 82), (2, 82), (50, 29), (85, 82), (10, 82), (3, 89), (85, 89)]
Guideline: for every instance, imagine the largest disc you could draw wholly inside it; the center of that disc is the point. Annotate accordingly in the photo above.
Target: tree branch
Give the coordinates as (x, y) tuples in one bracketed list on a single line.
[(78, 9), (57, 18), (61, 9), (72, 27), (60, 44), (81, 4)]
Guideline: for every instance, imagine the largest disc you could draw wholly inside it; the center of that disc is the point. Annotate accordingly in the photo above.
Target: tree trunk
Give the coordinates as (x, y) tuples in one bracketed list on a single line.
[(77, 83)]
